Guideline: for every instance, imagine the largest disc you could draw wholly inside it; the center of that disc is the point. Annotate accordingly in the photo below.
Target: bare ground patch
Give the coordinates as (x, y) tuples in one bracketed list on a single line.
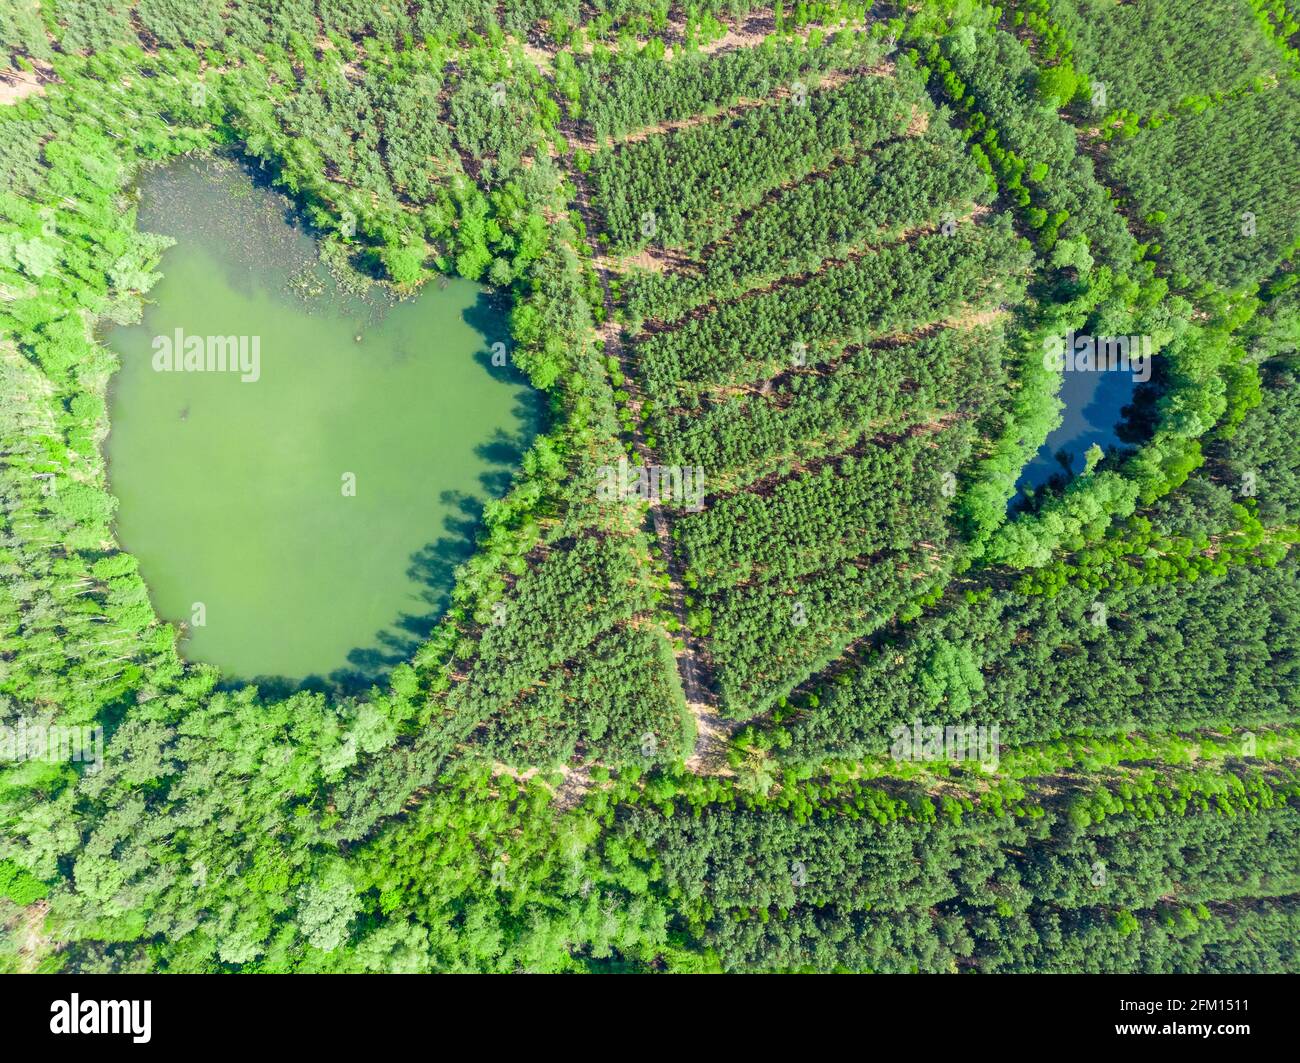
[(17, 85)]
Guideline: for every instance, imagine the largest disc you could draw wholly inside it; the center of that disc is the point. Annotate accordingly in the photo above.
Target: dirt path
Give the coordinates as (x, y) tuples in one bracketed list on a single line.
[(16, 85), (580, 132), (34, 942), (713, 732)]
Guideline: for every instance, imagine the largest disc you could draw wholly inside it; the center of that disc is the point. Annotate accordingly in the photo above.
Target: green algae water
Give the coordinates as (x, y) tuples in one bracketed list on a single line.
[(299, 469)]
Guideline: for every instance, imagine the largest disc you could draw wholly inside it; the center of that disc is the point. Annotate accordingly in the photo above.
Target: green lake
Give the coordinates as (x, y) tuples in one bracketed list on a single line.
[(300, 511)]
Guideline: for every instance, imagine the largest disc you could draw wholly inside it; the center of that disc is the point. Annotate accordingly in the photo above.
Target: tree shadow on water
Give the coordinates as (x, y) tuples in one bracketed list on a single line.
[(506, 450), (432, 567), (503, 453), (489, 316)]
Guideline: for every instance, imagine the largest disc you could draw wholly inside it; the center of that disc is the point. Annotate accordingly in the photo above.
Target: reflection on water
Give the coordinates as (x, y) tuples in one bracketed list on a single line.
[(1094, 412)]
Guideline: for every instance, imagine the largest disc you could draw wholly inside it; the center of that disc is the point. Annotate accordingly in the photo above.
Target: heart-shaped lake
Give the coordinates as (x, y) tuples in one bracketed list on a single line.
[(299, 469)]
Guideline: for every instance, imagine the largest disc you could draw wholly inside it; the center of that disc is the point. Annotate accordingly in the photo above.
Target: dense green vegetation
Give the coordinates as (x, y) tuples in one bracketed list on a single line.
[(682, 188), (883, 387), (815, 254), (873, 199), (1152, 55), (1225, 220), (854, 879), (619, 92), (904, 287)]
